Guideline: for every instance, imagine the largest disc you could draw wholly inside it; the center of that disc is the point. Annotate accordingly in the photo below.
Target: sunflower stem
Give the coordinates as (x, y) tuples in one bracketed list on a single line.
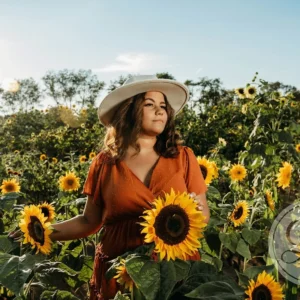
[(252, 214), (221, 246), (244, 265), (28, 287)]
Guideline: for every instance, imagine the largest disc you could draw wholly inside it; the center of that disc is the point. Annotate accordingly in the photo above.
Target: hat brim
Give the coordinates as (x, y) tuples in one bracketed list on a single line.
[(177, 95)]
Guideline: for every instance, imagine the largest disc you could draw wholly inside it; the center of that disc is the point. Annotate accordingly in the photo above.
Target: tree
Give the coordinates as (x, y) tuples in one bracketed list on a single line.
[(28, 95), (69, 87), (207, 93), (165, 75)]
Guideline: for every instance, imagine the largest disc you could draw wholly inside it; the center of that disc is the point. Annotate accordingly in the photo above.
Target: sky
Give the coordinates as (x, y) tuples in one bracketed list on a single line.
[(226, 39)]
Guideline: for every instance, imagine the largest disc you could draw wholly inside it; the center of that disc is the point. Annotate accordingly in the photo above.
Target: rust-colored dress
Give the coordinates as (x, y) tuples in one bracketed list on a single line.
[(123, 197)]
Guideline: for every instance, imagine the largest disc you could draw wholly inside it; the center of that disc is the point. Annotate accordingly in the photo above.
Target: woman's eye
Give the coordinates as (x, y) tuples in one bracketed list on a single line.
[(164, 107)]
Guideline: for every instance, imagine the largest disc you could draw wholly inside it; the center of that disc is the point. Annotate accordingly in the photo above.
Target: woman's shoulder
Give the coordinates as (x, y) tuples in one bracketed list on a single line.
[(103, 157), (183, 150)]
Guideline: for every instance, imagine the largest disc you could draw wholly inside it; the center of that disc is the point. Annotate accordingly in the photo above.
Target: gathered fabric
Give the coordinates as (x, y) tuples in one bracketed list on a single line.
[(123, 197)]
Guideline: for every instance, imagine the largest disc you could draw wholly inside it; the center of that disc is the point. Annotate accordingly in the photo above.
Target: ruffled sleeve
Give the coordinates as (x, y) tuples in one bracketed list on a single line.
[(92, 185), (193, 175)]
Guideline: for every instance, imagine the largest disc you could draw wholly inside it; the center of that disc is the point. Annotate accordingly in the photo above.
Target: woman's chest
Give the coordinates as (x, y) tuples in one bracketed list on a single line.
[(142, 167)]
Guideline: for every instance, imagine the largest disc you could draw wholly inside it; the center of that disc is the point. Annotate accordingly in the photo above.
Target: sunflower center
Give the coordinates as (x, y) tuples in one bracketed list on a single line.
[(204, 171), (45, 211), (261, 293), (172, 224), (70, 182), (238, 213), (36, 230), (251, 91), (241, 91), (9, 187)]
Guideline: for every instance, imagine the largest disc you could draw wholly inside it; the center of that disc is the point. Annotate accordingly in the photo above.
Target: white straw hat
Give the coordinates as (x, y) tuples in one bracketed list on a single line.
[(177, 94)]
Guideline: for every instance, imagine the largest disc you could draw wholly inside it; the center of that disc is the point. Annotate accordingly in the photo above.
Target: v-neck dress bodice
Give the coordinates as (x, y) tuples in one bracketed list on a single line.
[(123, 197), (151, 171)]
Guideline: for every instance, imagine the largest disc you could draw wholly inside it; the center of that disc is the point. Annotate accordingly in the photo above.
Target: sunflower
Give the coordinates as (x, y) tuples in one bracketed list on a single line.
[(284, 175), (54, 160), (265, 287), (222, 142), (92, 155), (47, 210), (82, 125), (269, 199), (240, 92), (206, 169), (240, 213), (250, 92), (237, 172), (174, 225), (35, 228), (16, 152), (293, 104), (283, 101), (244, 108), (216, 170), (297, 147), (252, 191), (9, 186), (69, 182), (43, 157), (123, 277), (275, 95), (82, 159)]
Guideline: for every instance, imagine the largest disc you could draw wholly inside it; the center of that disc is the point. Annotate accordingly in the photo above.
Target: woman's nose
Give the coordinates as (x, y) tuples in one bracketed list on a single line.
[(159, 110)]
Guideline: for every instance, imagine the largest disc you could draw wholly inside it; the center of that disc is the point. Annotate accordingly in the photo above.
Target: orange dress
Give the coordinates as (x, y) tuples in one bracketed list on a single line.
[(123, 197)]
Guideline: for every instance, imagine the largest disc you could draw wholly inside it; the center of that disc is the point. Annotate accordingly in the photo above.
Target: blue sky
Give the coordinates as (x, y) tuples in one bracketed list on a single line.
[(226, 39)]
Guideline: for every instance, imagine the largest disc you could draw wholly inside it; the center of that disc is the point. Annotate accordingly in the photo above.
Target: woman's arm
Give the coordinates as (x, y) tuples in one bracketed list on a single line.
[(202, 205), (80, 226)]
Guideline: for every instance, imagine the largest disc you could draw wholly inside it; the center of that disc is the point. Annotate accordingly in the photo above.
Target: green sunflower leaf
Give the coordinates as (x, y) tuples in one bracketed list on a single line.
[(243, 249), (15, 270), (252, 272), (229, 240), (145, 274), (216, 290), (7, 245), (213, 193), (167, 280), (251, 236)]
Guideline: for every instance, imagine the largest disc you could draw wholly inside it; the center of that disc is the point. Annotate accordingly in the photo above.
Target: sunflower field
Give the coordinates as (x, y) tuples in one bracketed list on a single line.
[(248, 149)]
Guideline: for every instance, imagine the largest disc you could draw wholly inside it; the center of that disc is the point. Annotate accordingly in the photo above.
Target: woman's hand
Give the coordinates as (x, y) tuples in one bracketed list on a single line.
[(15, 235), (201, 205), (198, 200)]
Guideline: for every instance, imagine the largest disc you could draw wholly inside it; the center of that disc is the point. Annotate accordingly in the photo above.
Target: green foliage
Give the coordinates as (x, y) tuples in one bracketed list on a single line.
[(260, 133)]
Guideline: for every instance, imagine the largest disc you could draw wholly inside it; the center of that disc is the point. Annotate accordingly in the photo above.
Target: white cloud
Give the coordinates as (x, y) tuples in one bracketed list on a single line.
[(134, 62)]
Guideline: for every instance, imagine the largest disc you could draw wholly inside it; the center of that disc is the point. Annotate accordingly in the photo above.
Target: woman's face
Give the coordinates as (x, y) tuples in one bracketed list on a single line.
[(154, 113)]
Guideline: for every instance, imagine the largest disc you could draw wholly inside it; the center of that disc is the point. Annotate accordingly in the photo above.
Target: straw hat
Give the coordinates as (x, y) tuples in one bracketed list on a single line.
[(177, 94)]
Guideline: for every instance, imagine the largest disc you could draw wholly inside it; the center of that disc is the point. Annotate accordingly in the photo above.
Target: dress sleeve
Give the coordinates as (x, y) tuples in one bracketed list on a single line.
[(92, 183), (193, 175)]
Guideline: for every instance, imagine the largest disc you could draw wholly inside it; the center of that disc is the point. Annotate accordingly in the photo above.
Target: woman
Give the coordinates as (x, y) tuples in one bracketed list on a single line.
[(141, 159)]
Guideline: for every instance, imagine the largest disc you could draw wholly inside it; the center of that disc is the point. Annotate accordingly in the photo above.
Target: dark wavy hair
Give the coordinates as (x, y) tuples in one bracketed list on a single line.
[(126, 126)]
